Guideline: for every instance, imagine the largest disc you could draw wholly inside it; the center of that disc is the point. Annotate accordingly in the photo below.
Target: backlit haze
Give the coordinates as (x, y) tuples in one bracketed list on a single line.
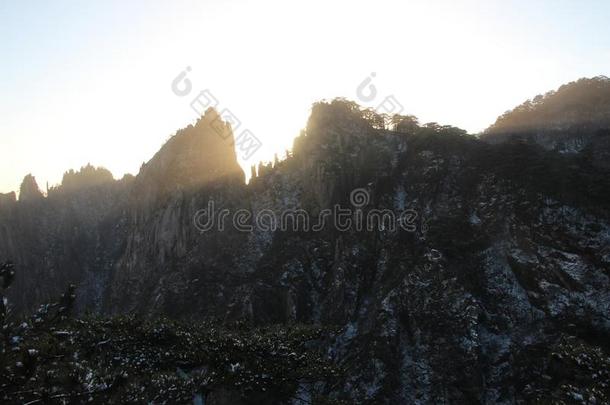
[(91, 83)]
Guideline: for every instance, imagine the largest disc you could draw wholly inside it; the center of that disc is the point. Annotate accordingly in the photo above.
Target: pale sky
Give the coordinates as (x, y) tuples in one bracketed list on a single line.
[(91, 83)]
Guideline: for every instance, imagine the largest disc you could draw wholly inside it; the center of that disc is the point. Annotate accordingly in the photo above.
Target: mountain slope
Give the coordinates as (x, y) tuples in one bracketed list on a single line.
[(504, 263), (574, 118)]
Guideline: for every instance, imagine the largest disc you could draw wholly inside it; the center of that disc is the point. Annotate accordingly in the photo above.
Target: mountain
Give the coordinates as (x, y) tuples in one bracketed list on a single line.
[(494, 290), (574, 118)]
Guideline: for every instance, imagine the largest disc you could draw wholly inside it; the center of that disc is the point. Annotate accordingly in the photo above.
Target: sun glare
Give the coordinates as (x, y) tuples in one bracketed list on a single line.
[(110, 102)]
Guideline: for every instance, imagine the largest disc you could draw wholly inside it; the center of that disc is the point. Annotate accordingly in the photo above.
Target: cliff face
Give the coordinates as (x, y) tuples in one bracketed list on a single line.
[(504, 264), (97, 232), (195, 156)]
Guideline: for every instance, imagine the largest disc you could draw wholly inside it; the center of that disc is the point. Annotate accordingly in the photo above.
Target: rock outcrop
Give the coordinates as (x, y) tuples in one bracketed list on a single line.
[(572, 119), (8, 199), (29, 191), (499, 281)]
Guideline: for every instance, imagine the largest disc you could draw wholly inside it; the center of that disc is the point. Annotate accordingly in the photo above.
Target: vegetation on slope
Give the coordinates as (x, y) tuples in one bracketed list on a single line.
[(54, 358)]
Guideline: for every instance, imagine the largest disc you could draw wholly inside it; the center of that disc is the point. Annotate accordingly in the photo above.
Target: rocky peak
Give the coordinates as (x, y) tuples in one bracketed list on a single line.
[(29, 190), (498, 294), (328, 125), (7, 199), (194, 156), (87, 176), (343, 147), (567, 120)]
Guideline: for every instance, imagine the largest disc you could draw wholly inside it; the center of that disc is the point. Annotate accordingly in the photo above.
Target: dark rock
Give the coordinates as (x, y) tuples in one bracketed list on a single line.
[(510, 246)]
